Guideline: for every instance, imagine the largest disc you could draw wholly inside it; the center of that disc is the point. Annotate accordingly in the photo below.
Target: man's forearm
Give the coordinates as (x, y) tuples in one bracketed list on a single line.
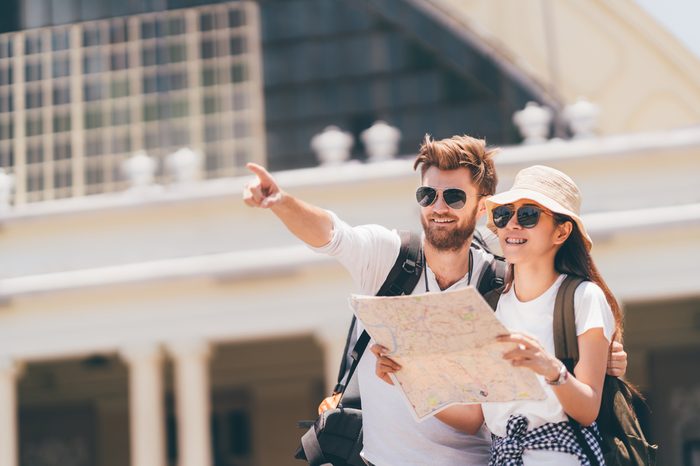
[(309, 223)]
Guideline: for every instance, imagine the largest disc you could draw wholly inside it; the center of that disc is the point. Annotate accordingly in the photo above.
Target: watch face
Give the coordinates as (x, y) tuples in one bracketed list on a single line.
[(563, 376)]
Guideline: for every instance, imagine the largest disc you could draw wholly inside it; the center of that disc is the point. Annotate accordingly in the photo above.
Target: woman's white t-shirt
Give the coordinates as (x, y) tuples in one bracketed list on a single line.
[(535, 318)]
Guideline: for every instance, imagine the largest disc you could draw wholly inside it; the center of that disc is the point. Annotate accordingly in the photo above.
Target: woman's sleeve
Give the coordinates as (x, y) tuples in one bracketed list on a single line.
[(593, 310)]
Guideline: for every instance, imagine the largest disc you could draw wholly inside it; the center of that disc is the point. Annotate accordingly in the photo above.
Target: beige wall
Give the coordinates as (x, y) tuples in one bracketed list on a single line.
[(610, 52)]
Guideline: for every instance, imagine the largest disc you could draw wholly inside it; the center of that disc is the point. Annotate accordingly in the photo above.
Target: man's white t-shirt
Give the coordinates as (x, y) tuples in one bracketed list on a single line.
[(535, 318), (392, 437)]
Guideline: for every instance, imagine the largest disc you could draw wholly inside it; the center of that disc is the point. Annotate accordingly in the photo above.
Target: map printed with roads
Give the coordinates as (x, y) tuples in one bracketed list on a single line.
[(446, 345)]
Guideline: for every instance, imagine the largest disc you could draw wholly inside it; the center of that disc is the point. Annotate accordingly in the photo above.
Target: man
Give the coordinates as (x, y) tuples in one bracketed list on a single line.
[(457, 174)]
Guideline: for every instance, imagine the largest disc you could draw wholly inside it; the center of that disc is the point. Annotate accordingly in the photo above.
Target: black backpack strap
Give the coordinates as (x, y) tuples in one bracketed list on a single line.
[(492, 278), (494, 272), (402, 279), (350, 340), (492, 297), (583, 443), (492, 275), (404, 275)]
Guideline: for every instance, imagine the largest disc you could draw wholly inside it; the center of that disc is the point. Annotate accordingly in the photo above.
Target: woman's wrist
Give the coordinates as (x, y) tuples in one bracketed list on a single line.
[(561, 377), (554, 371)]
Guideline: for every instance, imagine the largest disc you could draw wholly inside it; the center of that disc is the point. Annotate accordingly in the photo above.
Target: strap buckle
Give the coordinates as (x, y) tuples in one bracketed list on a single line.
[(409, 266)]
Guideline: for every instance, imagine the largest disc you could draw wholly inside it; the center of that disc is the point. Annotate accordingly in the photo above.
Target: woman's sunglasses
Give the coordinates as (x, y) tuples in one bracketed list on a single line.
[(527, 215), (455, 198)]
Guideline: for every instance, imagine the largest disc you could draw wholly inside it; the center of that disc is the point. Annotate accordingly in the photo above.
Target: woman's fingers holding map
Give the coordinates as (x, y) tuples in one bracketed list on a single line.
[(525, 348), (529, 353)]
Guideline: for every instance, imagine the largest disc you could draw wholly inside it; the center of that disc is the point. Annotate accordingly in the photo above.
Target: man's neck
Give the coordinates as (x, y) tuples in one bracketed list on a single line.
[(449, 266)]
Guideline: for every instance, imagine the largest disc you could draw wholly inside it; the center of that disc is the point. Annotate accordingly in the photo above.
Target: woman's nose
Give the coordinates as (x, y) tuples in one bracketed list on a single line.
[(513, 223)]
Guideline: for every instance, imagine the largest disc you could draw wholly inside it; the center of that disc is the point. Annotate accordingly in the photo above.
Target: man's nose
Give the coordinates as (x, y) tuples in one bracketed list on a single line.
[(439, 205)]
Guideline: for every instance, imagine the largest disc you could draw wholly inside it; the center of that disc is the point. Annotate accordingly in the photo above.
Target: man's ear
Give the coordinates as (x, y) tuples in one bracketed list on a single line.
[(481, 208), (562, 232)]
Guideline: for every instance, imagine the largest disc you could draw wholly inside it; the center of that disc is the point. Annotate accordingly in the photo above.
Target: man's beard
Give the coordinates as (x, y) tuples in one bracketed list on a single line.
[(448, 240)]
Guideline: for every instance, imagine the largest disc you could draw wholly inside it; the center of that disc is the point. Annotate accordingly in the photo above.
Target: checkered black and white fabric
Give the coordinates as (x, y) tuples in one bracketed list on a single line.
[(560, 436)]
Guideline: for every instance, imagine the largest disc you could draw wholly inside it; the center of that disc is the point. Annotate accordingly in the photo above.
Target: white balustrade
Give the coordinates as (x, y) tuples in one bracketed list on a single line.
[(332, 146)]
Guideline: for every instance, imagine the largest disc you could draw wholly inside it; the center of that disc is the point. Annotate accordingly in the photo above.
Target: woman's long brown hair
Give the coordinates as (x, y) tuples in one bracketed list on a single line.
[(573, 258)]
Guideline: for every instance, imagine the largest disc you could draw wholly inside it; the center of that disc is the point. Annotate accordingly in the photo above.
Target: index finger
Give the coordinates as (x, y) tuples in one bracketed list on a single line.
[(515, 337), (260, 172), (518, 338)]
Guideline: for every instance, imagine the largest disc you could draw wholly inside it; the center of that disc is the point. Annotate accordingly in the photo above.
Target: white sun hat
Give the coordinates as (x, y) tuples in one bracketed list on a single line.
[(546, 186)]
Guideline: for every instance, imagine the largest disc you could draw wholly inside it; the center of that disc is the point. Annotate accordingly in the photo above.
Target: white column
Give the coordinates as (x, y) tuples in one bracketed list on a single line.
[(146, 404), (192, 401), (9, 371)]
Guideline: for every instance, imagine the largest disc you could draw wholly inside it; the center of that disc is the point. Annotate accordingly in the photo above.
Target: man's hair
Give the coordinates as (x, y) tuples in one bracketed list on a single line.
[(460, 151)]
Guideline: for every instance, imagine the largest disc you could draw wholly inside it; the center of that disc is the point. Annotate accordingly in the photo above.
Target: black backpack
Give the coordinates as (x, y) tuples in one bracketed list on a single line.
[(624, 443), (335, 438)]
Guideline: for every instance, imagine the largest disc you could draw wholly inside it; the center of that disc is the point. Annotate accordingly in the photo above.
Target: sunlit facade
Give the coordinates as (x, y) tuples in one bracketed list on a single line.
[(175, 326)]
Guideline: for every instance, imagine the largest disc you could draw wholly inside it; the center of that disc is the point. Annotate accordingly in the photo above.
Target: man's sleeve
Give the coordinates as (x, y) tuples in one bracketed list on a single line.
[(366, 251)]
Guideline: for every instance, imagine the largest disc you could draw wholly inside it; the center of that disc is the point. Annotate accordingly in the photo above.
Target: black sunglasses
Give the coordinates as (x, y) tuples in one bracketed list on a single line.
[(527, 215), (455, 198)]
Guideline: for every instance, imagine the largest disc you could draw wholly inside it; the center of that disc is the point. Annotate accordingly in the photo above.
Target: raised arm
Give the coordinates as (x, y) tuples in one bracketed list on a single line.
[(307, 222)]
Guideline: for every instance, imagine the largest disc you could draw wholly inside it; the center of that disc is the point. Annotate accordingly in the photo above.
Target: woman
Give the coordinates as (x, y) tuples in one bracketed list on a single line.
[(543, 239)]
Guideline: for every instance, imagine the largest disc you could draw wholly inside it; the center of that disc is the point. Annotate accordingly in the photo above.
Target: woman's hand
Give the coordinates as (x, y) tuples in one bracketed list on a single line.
[(385, 365), (530, 353)]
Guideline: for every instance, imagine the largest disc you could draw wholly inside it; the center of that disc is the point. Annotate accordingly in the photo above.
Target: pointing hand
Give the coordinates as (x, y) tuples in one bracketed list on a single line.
[(263, 191)]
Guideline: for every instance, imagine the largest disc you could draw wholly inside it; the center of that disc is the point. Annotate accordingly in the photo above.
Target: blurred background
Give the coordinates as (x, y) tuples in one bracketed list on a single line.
[(148, 318)]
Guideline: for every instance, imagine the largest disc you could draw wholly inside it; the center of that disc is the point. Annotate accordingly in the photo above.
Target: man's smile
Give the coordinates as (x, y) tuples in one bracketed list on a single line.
[(443, 220)]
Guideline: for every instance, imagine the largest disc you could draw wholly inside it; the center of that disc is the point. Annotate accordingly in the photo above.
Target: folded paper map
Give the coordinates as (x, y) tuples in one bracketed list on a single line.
[(446, 346)]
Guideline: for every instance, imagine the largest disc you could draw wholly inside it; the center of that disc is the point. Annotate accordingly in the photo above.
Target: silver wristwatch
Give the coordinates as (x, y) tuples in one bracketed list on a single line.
[(563, 376)]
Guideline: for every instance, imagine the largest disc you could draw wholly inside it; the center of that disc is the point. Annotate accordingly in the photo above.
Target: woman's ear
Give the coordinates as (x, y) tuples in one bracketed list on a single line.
[(562, 232)]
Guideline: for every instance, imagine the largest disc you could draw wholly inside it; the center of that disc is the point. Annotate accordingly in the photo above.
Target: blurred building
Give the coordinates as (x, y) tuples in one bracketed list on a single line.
[(148, 318)]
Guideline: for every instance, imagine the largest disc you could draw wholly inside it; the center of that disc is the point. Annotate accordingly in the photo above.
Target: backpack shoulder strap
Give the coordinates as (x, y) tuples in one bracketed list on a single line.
[(493, 273), (493, 296), (402, 279), (564, 324), (492, 276), (406, 271)]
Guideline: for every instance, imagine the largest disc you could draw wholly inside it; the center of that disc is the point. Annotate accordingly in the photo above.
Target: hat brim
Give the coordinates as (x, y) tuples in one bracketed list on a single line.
[(514, 195)]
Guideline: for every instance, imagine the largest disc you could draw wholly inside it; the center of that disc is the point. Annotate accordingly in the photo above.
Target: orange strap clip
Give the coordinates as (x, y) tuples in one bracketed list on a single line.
[(330, 402)]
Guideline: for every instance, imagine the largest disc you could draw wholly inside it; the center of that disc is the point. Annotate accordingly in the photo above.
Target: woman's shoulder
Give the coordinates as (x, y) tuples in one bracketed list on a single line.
[(592, 309), (589, 290)]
